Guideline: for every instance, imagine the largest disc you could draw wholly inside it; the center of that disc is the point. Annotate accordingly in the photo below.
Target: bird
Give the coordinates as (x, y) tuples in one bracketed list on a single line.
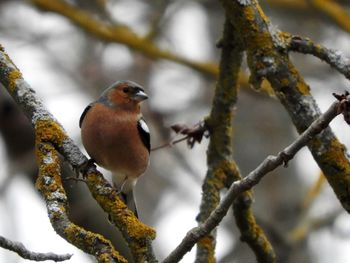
[(116, 136)]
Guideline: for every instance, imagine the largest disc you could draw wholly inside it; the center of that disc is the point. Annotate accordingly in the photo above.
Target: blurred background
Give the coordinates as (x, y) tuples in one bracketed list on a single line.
[(69, 67)]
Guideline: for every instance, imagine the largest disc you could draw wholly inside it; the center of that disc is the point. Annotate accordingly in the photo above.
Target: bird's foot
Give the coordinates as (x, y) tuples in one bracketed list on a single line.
[(84, 167)]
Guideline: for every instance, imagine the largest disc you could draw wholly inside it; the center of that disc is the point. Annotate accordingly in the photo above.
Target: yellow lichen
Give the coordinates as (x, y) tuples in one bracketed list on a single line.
[(50, 131), (87, 241), (285, 82), (51, 168), (208, 244), (301, 86), (122, 217), (12, 78)]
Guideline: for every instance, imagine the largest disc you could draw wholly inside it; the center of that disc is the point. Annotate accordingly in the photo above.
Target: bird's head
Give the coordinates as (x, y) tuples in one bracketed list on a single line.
[(123, 94)]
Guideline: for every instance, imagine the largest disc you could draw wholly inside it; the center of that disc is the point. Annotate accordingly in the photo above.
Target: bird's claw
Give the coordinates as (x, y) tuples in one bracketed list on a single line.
[(84, 167)]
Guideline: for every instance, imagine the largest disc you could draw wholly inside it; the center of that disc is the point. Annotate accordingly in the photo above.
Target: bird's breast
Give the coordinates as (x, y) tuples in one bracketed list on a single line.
[(111, 138)]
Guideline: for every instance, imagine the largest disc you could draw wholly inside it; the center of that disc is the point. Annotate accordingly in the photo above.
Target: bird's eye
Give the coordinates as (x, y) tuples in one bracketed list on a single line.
[(126, 90)]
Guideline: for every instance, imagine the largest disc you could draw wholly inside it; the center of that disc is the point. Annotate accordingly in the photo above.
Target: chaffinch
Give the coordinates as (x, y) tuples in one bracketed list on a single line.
[(116, 136)]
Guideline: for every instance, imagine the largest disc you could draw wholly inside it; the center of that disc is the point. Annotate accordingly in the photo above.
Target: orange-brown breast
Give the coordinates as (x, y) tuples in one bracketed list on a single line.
[(111, 138)]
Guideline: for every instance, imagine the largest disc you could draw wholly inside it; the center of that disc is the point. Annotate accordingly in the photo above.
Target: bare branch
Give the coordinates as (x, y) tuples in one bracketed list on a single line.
[(253, 178), (21, 250)]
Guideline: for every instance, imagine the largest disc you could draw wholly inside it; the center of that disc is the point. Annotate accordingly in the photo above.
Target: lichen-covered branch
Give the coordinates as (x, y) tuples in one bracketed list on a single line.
[(120, 34), (22, 251), (51, 137), (222, 170), (269, 164), (124, 35), (335, 58), (268, 60), (219, 124), (138, 235), (49, 184)]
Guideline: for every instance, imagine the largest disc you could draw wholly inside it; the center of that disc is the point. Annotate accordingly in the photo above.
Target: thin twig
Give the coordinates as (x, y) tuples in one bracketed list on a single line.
[(169, 144), (21, 250), (253, 178)]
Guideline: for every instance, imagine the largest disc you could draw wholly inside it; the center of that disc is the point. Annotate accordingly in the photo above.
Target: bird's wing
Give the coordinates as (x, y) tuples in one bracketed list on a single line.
[(88, 107), (144, 133)]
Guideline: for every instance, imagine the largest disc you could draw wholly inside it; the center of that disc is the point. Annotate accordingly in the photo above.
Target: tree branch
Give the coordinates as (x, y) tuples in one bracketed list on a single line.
[(22, 251), (269, 164), (334, 58), (50, 138), (120, 34), (267, 59), (124, 35), (219, 124), (222, 170)]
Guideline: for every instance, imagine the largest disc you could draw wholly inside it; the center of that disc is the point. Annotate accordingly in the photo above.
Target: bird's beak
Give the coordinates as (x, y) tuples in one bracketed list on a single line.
[(140, 96)]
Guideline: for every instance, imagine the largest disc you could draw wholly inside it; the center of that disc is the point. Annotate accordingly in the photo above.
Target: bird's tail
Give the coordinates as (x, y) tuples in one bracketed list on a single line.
[(125, 185), (129, 200)]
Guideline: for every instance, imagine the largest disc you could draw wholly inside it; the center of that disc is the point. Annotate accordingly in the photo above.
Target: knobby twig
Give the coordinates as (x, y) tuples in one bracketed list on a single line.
[(50, 138), (269, 164), (21, 250)]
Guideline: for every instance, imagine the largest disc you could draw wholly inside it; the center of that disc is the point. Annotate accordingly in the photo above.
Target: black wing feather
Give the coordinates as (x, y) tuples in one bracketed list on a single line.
[(144, 135), (88, 107)]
